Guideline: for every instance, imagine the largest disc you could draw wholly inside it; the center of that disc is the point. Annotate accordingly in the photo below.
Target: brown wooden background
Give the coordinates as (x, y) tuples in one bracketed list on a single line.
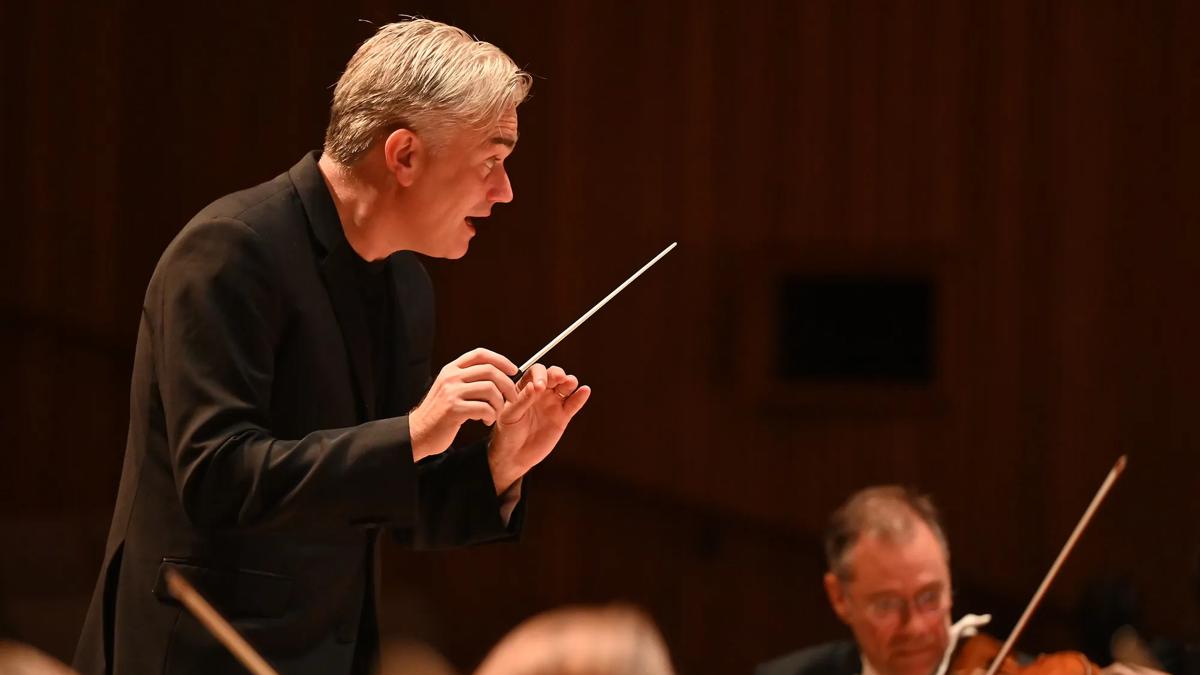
[(1038, 160)]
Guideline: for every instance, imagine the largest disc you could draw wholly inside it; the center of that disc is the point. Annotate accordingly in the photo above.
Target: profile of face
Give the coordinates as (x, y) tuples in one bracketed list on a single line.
[(896, 601), (450, 185)]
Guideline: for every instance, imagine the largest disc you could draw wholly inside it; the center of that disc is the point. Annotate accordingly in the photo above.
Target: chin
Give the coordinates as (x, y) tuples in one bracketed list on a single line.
[(456, 250), (923, 664), (460, 249)]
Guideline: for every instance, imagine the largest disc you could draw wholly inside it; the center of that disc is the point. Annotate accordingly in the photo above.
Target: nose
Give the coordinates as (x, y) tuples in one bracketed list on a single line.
[(501, 188), (913, 622)]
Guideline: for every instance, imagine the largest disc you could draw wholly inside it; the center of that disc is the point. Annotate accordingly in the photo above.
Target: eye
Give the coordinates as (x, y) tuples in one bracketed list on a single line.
[(887, 605), (929, 600), (491, 162)]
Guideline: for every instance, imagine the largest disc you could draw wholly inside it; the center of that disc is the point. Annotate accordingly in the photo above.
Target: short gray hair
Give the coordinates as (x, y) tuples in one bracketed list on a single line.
[(889, 512), (585, 640), (424, 76)]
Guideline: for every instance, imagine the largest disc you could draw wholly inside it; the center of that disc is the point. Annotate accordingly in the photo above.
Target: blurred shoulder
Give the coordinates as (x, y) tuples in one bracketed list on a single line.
[(831, 658)]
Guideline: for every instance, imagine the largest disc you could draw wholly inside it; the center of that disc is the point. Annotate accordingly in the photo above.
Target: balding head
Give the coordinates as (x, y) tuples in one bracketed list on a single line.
[(890, 512)]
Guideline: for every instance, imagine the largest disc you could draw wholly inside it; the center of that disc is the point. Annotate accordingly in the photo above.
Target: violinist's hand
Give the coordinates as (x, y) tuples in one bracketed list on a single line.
[(529, 427), (1121, 668), (475, 386)]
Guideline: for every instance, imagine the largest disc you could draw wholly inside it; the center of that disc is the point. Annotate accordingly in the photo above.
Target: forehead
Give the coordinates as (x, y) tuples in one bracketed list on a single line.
[(503, 133), (879, 563), (500, 135), (506, 126)]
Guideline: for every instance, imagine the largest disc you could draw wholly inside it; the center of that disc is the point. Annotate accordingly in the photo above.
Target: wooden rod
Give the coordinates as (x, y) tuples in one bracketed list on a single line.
[(216, 624), (1062, 555)]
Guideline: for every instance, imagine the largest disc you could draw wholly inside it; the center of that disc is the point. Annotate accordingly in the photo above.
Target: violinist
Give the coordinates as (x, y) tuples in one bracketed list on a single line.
[(888, 580)]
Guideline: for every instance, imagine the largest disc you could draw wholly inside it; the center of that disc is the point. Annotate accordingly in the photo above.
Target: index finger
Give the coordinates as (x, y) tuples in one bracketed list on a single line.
[(479, 356), (535, 374)]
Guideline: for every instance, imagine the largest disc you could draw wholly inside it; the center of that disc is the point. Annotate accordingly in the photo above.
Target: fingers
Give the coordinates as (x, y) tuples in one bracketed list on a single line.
[(552, 377), (517, 409), (535, 374), (470, 393), (557, 380), (567, 386), (574, 403), (477, 410), (480, 355), (567, 390), (1123, 668), (486, 372)]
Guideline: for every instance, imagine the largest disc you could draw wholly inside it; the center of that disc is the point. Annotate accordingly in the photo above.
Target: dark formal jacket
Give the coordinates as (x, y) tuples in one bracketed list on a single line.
[(833, 658), (262, 460)]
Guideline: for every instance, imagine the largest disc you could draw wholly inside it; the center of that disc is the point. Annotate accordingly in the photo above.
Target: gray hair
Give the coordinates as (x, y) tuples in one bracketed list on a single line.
[(607, 640), (889, 512), (424, 76)]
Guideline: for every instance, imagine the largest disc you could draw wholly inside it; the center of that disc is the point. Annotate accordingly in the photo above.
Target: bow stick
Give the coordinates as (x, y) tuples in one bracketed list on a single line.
[(216, 624), (1062, 555)]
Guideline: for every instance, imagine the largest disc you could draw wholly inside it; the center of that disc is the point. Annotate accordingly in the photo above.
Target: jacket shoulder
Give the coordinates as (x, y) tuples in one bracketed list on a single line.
[(264, 207), (831, 658)]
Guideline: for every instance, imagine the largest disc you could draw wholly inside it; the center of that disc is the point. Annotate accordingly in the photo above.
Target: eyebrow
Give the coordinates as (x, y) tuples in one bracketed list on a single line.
[(931, 586), (508, 141)]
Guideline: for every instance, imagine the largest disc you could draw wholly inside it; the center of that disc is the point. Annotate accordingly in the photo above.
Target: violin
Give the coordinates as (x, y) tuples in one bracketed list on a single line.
[(984, 653), (980, 650)]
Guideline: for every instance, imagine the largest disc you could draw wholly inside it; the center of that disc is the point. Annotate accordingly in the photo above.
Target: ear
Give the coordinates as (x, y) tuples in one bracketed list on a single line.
[(837, 596), (404, 155)]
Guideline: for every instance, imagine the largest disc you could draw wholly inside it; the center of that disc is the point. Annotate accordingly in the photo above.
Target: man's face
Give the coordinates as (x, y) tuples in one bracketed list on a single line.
[(897, 601), (459, 182)]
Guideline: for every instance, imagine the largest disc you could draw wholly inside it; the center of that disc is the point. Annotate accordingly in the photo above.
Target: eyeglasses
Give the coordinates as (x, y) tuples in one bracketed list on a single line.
[(890, 607)]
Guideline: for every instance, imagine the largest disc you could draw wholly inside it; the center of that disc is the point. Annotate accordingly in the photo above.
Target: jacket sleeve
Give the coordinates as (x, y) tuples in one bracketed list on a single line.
[(457, 504), (219, 319)]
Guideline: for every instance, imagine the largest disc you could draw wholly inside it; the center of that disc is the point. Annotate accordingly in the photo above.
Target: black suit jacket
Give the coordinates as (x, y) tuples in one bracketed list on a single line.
[(833, 658), (253, 465)]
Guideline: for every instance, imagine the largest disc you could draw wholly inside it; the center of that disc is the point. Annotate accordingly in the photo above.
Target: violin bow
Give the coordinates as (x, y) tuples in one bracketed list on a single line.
[(1062, 555), (217, 625)]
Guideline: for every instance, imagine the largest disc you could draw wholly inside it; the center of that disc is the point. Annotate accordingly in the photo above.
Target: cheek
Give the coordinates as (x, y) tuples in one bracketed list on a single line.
[(876, 637), (885, 636)]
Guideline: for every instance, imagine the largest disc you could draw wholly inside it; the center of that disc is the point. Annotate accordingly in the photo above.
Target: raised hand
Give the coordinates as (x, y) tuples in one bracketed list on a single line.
[(475, 386), (529, 427)]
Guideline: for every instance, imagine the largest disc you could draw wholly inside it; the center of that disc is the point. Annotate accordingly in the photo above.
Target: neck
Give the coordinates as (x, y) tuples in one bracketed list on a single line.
[(867, 667), (361, 203)]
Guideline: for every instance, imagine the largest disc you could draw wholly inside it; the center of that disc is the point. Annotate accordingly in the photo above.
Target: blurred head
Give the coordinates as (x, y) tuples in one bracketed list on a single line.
[(409, 657), (21, 659), (613, 640), (889, 578), (425, 115)]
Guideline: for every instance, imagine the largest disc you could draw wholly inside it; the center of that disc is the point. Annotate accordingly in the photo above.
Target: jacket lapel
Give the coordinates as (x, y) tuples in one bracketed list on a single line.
[(337, 273)]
